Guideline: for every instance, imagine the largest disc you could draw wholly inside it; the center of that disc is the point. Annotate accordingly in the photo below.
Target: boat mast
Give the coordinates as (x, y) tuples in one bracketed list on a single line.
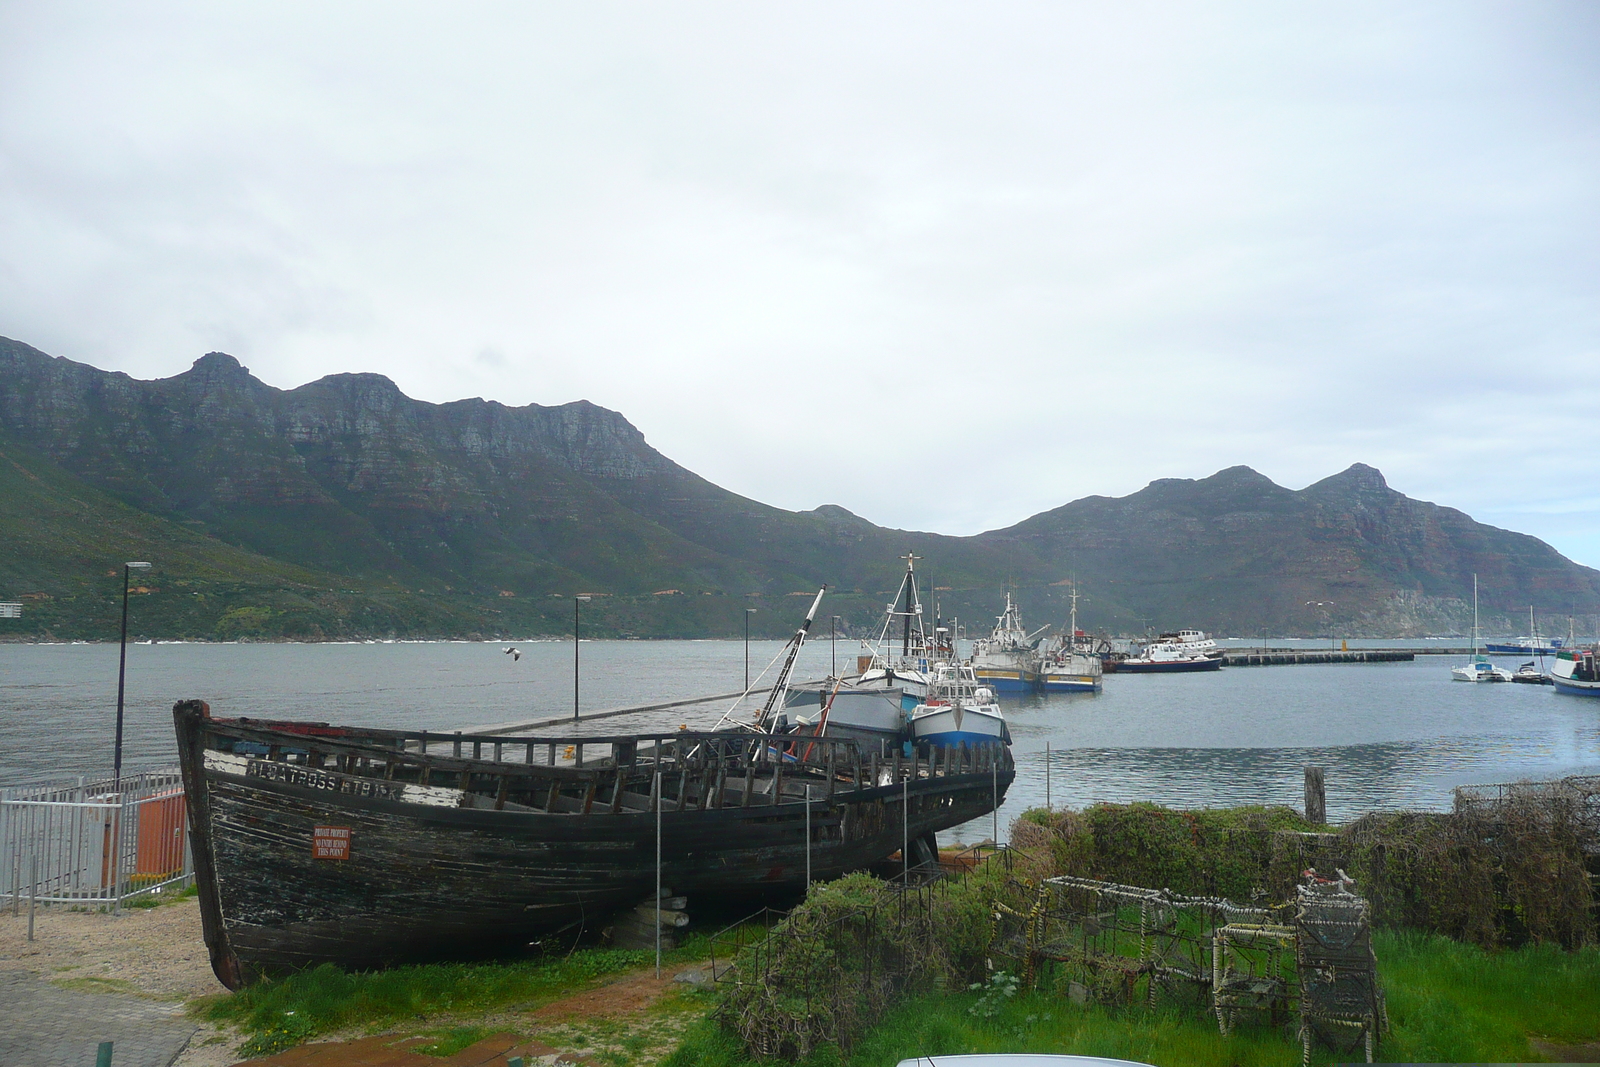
[(911, 587), (780, 688), (1072, 638), (1474, 616)]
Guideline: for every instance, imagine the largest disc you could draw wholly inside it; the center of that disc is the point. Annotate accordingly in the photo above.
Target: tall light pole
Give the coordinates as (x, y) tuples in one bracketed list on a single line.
[(833, 642), (1327, 616), (122, 669), (747, 613), (579, 599)]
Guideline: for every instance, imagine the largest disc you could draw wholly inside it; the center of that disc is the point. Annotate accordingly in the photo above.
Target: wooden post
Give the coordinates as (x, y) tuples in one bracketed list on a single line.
[(1316, 797)]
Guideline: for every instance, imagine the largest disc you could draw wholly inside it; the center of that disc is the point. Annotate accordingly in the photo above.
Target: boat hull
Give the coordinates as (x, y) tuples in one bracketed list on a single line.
[(944, 728), (1053, 682), (1575, 687), (1004, 680), (1169, 666), (432, 873)]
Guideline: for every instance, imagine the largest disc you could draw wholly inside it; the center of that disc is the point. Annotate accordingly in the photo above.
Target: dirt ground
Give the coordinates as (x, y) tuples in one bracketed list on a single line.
[(159, 953), (153, 952)]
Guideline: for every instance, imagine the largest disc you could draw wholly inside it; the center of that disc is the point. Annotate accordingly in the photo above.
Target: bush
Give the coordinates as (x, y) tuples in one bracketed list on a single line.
[(1494, 878)]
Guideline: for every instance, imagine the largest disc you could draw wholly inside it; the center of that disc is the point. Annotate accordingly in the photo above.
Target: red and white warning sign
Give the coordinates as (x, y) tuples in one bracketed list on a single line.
[(330, 842)]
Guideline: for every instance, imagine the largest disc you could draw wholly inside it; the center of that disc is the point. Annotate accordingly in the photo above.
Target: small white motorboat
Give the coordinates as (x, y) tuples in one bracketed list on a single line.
[(958, 710)]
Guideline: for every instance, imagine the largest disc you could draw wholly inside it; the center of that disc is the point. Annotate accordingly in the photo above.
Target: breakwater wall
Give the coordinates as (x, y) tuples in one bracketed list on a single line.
[(1271, 657)]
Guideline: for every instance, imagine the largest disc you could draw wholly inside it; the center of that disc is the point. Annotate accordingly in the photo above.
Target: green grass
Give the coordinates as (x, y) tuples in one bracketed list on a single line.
[(158, 897), (453, 1039), (278, 1014), (1454, 1002), (275, 1015), (1448, 1002)]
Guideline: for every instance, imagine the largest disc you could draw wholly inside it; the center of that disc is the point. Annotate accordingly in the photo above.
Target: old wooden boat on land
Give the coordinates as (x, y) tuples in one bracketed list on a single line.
[(319, 843)]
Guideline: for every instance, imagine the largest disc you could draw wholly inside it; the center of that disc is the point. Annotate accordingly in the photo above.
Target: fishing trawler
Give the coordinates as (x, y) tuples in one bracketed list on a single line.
[(1576, 672), (909, 668), (317, 843), (1008, 659), (1068, 664)]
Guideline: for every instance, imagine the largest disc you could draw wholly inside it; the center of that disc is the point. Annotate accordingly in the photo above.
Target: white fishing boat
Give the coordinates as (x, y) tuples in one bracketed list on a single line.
[(1576, 672), (1480, 669), (1069, 664), (958, 710), (1008, 659), (907, 668), (1165, 657), (1194, 642)]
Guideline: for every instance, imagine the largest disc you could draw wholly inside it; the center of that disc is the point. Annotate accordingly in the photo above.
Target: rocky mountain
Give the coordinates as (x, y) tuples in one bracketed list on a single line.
[(346, 507), (1347, 553)]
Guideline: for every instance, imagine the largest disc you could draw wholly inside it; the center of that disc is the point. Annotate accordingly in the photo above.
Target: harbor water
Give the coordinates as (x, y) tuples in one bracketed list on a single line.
[(1390, 735)]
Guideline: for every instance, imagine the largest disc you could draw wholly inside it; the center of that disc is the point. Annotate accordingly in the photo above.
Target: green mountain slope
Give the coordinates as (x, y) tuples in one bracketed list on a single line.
[(350, 508)]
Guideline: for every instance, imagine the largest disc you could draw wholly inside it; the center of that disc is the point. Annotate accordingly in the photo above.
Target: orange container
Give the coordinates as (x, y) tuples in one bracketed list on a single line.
[(162, 820)]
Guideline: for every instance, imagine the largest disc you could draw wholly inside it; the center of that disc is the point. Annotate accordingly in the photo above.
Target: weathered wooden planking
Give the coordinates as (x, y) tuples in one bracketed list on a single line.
[(486, 874)]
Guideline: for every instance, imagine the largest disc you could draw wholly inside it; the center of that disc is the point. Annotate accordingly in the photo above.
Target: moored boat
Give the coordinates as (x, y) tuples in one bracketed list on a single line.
[(1069, 664), (1007, 660), (1480, 669), (958, 711), (876, 713), (1530, 674), (1576, 672), (1163, 658), (909, 668)]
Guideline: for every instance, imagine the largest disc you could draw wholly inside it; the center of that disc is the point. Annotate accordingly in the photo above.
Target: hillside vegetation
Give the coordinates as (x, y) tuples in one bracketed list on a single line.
[(344, 508)]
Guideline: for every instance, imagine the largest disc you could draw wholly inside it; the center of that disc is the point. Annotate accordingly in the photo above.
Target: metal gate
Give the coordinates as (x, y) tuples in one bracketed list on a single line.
[(94, 844)]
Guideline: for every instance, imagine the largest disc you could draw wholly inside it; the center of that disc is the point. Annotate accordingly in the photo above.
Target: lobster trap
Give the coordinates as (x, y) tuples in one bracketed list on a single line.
[(1309, 961)]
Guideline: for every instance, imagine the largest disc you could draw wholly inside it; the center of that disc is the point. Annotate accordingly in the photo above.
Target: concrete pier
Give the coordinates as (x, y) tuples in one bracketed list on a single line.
[(1271, 657)]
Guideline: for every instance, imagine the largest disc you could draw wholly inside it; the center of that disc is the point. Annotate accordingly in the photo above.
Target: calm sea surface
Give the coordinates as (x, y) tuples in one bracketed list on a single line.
[(1395, 735)]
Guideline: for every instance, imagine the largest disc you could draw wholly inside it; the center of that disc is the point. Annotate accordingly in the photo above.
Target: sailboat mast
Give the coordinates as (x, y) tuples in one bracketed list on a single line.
[(1474, 616)]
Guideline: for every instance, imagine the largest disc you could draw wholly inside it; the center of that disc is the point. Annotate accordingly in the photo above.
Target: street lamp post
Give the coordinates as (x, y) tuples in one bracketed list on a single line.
[(1327, 616), (747, 613), (575, 602), (833, 642), (122, 668)]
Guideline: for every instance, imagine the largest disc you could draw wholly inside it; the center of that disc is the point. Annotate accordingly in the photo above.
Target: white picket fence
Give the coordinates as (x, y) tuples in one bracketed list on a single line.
[(94, 843)]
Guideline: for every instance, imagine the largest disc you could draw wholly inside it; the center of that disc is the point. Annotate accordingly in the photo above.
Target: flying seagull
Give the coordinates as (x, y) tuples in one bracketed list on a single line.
[(514, 653)]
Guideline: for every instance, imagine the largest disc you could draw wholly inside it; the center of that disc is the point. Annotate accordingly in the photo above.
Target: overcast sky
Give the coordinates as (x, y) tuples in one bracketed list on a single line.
[(945, 265)]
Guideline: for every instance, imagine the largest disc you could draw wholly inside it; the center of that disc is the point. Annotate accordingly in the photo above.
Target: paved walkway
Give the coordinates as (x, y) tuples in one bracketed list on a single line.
[(47, 1026)]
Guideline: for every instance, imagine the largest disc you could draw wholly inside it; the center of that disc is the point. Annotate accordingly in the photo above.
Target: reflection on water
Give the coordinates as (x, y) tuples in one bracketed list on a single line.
[(1393, 735)]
